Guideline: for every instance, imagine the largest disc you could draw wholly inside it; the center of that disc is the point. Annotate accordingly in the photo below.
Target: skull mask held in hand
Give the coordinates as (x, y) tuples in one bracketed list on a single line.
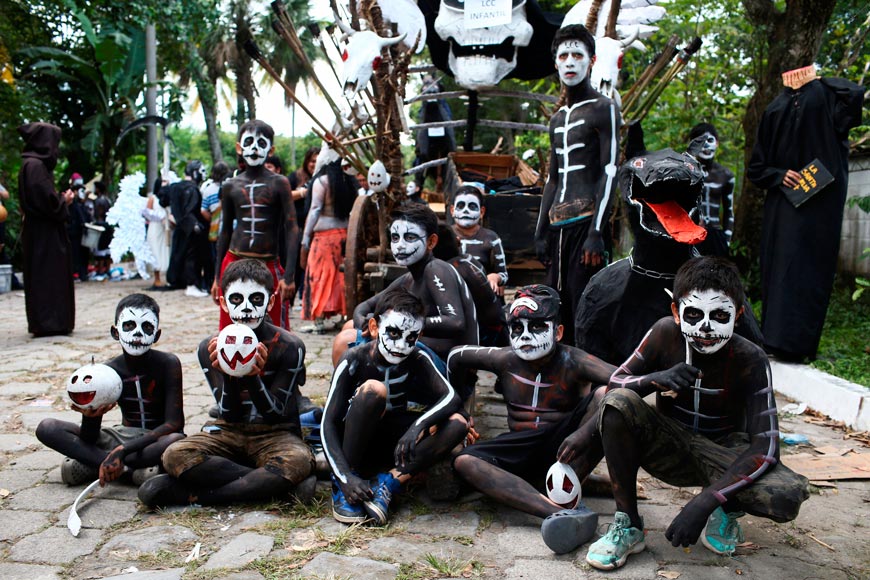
[(237, 350), (94, 385)]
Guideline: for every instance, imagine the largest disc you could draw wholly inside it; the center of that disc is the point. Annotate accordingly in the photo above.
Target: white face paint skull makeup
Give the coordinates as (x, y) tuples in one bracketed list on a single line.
[(708, 147), (397, 335), (255, 147), (247, 302), (532, 339), (707, 319), (137, 330), (466, 210), (407, 242), (572, 62)]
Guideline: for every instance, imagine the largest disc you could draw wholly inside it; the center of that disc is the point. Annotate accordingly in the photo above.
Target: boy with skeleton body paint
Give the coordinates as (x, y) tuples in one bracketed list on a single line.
[(151, 405), (551, 411), (714, 423), (572, 237), (483, 244), (256, 412), (259, 202), (451, 318), (367, 424)]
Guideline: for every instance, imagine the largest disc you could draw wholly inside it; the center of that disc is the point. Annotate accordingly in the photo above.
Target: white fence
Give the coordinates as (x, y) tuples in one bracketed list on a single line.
[(856, 223)]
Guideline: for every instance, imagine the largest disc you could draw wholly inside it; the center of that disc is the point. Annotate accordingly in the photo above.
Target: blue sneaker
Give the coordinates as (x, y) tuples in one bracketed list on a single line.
[(383, 489), (613, 549), (344, 511), (723, 532)]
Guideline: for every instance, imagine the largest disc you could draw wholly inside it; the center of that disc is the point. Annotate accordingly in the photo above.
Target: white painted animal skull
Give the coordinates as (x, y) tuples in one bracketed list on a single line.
[(361, 56), (237, 350), (608, 62), (378, 178), (94, 385), (481, 57)]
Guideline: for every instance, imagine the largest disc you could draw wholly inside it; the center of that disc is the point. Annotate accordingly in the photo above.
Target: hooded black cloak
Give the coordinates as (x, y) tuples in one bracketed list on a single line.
[(48, 276)]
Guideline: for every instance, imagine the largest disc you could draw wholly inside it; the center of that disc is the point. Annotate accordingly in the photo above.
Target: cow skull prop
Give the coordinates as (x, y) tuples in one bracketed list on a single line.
[(378, 178), (608, 61), (481, 57), (361, 56), (237, 350), (93, 386)]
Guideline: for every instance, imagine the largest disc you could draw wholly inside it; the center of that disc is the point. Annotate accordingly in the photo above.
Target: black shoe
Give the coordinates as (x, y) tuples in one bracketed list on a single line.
[(304, 491), (567, 530), (164, 490)]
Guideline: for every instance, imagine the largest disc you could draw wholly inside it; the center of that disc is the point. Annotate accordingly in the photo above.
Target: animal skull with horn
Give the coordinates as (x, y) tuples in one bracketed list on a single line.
[(361, 56)]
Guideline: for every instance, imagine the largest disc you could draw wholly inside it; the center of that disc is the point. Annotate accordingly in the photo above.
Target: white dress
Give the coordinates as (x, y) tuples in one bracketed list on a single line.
[(158, 233)]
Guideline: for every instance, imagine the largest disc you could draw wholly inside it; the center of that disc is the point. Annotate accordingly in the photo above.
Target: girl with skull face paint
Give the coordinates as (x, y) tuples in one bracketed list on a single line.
[(547, 389), (714, 424), (258, 423), (482, 243), (150, 402), (370, 427)]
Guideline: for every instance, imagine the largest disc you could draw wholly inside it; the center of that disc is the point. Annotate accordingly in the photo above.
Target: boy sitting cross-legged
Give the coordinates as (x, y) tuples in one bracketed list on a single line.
[(254, 450), (546, 386), (151, 406), (389, 413), (714, 424)]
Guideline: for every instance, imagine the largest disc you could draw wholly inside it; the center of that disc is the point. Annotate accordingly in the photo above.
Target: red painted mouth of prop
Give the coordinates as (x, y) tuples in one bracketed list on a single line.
[(82, 398), (677, 222), (238, 359)]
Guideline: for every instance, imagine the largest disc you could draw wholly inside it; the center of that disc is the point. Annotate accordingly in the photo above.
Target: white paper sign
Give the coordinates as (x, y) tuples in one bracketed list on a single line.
[(436, 131), (482, 13)]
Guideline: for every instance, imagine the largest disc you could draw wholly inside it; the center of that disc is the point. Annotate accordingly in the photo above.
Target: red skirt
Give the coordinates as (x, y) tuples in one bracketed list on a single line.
[(324, 281)]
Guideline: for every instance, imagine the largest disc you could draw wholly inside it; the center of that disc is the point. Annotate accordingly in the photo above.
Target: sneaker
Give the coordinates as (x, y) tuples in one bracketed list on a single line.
[(143, 474), (723, 532), (164, 490), (344, 511), (74, 472), (612, 550), (385, 486), (195, 292), (567, 530)]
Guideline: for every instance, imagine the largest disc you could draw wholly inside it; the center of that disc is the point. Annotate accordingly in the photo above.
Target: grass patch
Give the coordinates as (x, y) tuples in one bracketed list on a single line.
[(434, 567), (844, 350)]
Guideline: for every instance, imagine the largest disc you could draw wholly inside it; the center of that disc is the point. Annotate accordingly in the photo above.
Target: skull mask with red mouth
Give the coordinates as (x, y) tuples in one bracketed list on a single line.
[(93, 386), (237, 350)]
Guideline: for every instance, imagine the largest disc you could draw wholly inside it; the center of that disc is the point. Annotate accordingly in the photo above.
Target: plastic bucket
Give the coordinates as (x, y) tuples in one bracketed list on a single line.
[(91, 236), (5, 278)]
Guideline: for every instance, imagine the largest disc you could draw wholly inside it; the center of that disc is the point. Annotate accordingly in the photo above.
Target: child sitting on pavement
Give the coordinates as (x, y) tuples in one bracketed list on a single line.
[(370, 425), (714, 424), (151, 407), (547, 388), (254, 450)]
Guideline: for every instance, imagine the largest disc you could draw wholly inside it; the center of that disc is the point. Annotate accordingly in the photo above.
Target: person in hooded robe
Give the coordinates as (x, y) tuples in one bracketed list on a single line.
[(49, 293)]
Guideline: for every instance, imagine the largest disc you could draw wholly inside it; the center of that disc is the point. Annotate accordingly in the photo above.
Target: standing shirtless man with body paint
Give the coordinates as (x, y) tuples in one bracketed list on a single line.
[(258, 203), (572, 235)]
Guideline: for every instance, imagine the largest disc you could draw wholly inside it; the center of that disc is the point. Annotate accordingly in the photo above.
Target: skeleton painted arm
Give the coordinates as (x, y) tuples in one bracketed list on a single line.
[(337, 403), (446, 289), (462, 360), (498, 261), (608, 139), (318, 198), (549, 195), (229, 400), (447, 403), (727, 207), (272, 392), (291, 228)]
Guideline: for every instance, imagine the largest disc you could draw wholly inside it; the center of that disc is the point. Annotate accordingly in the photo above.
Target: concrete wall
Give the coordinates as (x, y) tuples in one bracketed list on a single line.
[(856, 223)]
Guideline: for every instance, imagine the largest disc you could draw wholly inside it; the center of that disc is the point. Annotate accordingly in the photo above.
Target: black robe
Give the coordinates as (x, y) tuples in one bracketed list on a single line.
[(799, 246), (48, 277)]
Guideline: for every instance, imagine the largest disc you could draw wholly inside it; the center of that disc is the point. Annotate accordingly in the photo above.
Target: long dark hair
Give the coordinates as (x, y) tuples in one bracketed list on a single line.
[(342, 187), (302, 173)]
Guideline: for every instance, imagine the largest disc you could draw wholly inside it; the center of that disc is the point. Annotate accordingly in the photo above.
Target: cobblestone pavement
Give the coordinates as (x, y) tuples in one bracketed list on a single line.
[(468, 539)]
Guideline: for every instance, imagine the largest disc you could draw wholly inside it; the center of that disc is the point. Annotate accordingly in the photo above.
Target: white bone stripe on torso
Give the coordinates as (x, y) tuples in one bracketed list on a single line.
[(565, 149), (252, 206)]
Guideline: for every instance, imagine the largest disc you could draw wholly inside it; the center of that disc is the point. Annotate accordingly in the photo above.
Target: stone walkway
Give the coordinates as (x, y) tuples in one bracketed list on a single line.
[(470, 539)]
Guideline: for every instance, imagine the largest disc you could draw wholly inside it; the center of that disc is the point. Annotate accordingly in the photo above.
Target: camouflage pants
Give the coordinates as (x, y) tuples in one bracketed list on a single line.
[(675, 455)]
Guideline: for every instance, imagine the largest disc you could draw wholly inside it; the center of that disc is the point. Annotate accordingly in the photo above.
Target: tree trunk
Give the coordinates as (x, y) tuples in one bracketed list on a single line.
[(208, 99), (793, 40)]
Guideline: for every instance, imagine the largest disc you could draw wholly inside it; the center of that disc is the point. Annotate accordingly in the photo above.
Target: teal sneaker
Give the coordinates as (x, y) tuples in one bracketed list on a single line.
[(385, 486), (723, 532), (612, 550), (344, 511)]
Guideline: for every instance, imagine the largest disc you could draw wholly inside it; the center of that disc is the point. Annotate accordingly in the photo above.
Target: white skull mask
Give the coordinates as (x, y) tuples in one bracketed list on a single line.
[(247, 302), (255, 147), (378, 178), (237, 349), (572, 62), (707, 319), (397, 335), (466, 210), (137, 330), (704, 146), (532, 339), (481, 57), (407, 242), (93, 386)]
